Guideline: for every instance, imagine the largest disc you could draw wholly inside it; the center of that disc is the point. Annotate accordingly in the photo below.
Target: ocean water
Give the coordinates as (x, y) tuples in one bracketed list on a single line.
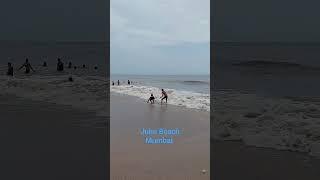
[(190, 91), (87, 91)]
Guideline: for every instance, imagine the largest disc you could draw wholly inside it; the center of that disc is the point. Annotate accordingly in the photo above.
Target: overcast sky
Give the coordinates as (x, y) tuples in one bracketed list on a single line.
[(54, 20), (266, 20), (160, 37)]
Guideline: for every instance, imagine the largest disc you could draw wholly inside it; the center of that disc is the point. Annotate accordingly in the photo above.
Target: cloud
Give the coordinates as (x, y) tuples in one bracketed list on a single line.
[(160, 22), (159, 33)]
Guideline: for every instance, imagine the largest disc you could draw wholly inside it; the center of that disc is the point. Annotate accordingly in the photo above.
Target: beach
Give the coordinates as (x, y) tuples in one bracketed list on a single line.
[(235, 160), (42, 140), (132, 158)]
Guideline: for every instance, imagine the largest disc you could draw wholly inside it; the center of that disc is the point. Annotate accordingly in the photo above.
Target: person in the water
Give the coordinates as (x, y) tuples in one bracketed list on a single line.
[(118, 82), (128, 82), (164, 96), (10, 69), (44, 64), (69, 65), (83, 66), (28, 66), (112, 83), (59, 65), (151, 99)]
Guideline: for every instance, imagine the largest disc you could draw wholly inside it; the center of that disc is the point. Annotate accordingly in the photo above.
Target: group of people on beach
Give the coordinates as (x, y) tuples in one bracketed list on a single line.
[(118, 82), (164, 95), (28, 67)]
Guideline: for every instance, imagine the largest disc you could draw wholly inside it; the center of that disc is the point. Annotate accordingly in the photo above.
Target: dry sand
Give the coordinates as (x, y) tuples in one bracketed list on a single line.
[(131, 158), (45, 141)]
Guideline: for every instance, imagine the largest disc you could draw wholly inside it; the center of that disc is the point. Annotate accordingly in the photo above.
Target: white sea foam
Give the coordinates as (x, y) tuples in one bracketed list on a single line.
[(279, 123), (175, 97), (85, 92)]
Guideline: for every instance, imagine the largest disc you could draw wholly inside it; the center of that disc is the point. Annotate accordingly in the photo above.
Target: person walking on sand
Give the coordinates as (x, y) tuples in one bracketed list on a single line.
[(163, 96), (59, 65), (10, 69), (28, 66), (118, 82), (151, 99)]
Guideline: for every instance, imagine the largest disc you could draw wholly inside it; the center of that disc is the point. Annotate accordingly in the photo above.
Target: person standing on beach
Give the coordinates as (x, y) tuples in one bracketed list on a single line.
[(128, 82), (112, 83), (69, 65), (118, 82), (44, 64), (164, 96), (10, 69), (59, 65), (28, 66)]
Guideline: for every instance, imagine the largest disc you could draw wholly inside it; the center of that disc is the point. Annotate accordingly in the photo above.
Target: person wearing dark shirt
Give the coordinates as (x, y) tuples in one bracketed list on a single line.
[(10, 69), (59, 65), (28, 66)]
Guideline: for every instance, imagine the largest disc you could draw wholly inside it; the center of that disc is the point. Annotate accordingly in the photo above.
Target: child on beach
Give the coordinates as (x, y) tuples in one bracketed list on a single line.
[(151, 99)]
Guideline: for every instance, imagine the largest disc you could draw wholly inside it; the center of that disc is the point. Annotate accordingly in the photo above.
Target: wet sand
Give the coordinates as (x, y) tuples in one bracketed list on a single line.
[(234, 160), (131, 158), (47, 141)]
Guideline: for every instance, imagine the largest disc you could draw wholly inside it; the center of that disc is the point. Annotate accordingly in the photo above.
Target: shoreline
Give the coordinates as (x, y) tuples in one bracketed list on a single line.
[(129, 115), (43, 140)]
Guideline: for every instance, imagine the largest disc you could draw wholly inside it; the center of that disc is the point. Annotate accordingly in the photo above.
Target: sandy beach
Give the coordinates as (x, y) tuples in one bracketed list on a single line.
[(132, 158), (234, 160), (42, 140)]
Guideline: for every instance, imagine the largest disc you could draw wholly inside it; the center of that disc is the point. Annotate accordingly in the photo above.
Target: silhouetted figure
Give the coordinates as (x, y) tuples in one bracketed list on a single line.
[(75, 67), (69, 65), (112, 83), (83, 66), (28, 66), (151, 99), (118, 82), (70, 79), (95, 67), (164, 95), (59, 65), (128, 82), (10, 69), (44, 64)]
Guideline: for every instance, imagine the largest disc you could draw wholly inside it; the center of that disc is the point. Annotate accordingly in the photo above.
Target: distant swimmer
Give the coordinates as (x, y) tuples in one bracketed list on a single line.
[(151, 99), (59, 65), (95, 67), (69, 65), (70, 79), (118, 82), (128, 82), (112, 83), (164, 96), (28, 66), (83, 66), (75, 67), (44, 64), (10, 69)]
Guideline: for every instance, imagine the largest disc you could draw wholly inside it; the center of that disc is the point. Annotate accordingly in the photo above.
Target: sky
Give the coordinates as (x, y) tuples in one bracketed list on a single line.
[(160, 37), (266, 20), (54, 20)]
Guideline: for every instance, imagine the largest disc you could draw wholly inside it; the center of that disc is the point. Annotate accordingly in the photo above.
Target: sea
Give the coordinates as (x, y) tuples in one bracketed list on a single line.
[(88, 91), (190, 91)]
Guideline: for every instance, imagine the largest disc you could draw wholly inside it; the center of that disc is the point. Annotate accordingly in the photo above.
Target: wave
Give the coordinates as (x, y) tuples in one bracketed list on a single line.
[(186, 99), (84, 92), (195, 82)]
